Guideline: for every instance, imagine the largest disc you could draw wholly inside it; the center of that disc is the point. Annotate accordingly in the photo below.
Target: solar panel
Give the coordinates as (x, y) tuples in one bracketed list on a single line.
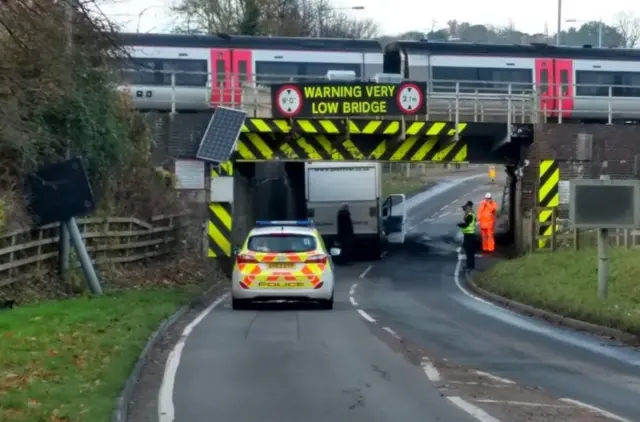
[(219, 140)]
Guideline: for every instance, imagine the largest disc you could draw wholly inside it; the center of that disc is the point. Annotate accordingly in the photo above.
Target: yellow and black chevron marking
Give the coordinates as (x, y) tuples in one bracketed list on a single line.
[(548, 196), (416, 148), (324, 126), (223, 169), (393, 127), (219, 229), (266, 126)]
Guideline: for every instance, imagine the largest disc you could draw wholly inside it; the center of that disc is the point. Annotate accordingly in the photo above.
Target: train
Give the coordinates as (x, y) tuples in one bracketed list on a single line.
[(196, 72)]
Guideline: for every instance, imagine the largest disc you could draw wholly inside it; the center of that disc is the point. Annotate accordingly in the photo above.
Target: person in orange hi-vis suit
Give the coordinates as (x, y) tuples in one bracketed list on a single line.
[(487, 216)]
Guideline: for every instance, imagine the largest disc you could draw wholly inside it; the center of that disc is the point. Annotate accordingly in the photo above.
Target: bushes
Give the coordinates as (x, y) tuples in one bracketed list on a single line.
[(54, 98)]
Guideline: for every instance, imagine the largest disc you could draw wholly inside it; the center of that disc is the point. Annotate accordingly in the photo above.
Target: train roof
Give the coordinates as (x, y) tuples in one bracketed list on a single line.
[(530, 50), (250, 42)]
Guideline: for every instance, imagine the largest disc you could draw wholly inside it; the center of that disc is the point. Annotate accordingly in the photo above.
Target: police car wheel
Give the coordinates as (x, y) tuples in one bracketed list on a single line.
[(327, 304), (240, 304)]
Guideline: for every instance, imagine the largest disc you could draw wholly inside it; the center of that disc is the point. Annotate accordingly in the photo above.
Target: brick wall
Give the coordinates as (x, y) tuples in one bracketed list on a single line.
[(583, 151)]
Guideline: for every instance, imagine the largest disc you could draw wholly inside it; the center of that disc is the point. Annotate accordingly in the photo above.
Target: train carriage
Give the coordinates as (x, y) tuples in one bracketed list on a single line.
[(211, 69), (196, 72)]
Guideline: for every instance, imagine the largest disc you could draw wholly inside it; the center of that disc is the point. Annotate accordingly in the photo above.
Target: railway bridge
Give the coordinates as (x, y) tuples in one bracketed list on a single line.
[(347, 121), (539, 157)]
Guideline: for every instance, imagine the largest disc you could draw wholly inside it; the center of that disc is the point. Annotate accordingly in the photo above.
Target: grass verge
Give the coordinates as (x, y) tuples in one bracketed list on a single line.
[(68, 360), (565, 282), (400, 183)]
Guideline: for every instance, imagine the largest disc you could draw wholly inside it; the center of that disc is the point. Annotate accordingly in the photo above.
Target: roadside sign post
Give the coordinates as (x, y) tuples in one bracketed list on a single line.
[(604, 254), (604, 204)]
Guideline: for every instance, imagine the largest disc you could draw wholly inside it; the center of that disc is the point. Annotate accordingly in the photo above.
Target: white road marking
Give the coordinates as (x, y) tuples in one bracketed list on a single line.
[(594, 409), (444, 214), (521, 403), (473, 410), (366, 316), (493, 377), (166, 409), (383, 254), (352, 290), (444, 208), (456, 279), (365, 272), (393, 333), (430, 371), (353, 301), (479, 383)]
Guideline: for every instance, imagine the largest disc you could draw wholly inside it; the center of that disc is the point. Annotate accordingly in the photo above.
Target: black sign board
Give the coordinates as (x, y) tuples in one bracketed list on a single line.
[(344, 99), (59, 192)]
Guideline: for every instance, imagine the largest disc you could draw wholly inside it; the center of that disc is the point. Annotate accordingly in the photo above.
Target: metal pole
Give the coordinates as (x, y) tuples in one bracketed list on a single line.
[(600, 29), (603, 262), (559, 28), (64, 245), (83, 256)]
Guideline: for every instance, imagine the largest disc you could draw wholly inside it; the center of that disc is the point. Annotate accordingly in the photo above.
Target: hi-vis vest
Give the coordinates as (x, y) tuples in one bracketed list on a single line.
[(471, 228)]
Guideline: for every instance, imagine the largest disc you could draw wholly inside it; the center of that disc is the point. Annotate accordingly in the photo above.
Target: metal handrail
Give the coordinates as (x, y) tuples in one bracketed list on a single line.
[(467, 100)]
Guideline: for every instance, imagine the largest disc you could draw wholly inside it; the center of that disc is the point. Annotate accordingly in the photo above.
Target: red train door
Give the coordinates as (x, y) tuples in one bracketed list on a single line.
[(564, 82), (242, 71), (545, 85), (220, 76)]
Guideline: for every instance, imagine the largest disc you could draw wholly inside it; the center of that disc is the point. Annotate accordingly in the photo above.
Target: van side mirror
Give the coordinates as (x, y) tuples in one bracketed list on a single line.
[(385, 212), (334, 251)]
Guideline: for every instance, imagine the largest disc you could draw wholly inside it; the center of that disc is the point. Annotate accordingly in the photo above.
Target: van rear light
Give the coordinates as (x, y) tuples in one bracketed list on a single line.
[(246, 259), (317, 259), (318, 286)]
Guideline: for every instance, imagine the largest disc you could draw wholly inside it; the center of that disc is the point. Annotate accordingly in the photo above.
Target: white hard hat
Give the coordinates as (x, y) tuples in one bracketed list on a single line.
[(487, 195)]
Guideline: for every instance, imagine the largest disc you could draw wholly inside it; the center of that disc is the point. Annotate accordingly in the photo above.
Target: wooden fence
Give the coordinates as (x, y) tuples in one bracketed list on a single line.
[(25, 253), (567, 237)]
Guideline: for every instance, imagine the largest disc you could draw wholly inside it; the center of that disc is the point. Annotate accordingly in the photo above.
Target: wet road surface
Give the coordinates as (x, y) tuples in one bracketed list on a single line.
[(295, 364), (414, 293)]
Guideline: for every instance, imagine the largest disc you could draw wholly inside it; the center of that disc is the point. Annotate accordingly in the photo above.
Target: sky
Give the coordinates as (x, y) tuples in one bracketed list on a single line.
[(422, 15)]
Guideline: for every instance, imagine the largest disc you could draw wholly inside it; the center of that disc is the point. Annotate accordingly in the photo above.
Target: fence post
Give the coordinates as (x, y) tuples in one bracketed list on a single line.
[(576, 239)]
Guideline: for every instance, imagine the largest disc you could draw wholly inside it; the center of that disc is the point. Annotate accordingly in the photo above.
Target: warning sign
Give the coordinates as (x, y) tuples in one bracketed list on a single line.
[(346, 99)]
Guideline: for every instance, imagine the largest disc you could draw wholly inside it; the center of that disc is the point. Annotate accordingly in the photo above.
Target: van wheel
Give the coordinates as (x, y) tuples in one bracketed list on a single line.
[(240, 304), (327, 304)]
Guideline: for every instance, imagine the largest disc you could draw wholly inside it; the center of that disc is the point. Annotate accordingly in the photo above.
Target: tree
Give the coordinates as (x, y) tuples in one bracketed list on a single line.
[(306, 18), (628, 26)]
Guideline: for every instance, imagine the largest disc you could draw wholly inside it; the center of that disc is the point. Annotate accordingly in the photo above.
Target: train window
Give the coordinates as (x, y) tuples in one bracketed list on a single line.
[(242, 70), (630, 82), (498, 80), (220, 72), (319, 70), (138, 72), (544, 81), (277, 72), (564, 82), (444, 79), (594, 83), (188, 72)]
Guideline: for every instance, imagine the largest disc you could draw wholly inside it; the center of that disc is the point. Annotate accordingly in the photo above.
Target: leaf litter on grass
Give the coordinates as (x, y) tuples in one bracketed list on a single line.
[(66, 360), (566, 282)]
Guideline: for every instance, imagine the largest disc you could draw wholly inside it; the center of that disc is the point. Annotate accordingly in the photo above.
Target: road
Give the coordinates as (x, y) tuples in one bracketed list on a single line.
[(414, 294), (291, 364), (404, 343)]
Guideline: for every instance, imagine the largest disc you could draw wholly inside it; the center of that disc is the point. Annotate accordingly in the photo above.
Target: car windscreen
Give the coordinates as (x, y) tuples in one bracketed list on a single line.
[(282, 243)]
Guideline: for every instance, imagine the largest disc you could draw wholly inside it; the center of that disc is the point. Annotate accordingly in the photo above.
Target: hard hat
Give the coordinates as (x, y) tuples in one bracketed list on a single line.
[(487, 195)]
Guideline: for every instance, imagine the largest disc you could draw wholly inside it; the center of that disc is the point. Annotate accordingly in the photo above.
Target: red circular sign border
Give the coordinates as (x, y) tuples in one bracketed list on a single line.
[(418, 89), (297, 110)]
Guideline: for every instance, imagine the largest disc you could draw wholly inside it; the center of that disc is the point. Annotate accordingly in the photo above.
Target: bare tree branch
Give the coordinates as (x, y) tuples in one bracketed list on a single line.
[(270, 17), (628, 25)]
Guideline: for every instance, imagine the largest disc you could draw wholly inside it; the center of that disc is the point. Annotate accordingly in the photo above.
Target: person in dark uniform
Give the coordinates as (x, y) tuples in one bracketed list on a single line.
[(468, 228), (345, 233)]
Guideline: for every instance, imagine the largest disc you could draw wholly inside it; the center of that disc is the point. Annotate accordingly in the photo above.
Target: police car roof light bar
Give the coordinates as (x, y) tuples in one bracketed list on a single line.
[(272, 223)]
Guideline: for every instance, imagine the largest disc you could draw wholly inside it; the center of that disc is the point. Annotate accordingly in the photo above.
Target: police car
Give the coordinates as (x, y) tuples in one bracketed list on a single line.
[(283, 260)]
